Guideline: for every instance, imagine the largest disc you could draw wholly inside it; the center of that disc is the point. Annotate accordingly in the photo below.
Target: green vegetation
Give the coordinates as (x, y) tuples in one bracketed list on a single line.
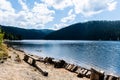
[(8, 35), (14, 33), (1, 36), (3, 51), (91, 30)]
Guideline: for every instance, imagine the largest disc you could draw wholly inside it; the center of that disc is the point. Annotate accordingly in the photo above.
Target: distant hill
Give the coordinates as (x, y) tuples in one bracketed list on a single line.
[(92, 30), (24, 33)]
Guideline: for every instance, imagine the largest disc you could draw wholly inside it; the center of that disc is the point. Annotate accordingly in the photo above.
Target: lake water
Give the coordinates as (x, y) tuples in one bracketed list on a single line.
[(103, 55)]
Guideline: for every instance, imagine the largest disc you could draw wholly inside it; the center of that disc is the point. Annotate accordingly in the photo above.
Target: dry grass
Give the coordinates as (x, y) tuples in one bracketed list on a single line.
[(3, 51)]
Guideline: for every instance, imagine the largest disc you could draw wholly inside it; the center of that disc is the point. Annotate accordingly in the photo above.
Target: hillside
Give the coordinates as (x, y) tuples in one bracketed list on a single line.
[(25, 33), (92, 30)]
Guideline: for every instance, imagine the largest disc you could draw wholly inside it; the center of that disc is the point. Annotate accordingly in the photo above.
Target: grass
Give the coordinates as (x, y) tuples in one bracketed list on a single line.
[(3, 48), (1, 37), (3, 51)]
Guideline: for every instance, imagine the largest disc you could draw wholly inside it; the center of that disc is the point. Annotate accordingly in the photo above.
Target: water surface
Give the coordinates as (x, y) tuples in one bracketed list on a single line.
[(104, 55)]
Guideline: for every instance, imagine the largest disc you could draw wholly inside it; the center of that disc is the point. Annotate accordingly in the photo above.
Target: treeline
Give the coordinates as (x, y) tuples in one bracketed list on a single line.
[(7, 35), (1, 36), (92, 30), (11, 36), (15, 33)]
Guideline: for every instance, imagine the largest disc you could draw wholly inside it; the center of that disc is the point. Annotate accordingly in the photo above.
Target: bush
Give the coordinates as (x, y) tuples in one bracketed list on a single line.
[(1, 37)]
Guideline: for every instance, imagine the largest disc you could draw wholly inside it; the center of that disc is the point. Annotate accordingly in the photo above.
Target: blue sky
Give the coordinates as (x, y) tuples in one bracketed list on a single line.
[(56, 14)]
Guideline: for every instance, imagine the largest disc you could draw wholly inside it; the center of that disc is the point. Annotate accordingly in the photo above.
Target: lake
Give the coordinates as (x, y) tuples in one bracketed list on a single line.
[(103, 55)]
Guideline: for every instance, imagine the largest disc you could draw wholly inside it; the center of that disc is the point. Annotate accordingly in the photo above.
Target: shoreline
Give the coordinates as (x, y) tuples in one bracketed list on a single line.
[(88, 68), (23, 71), (79, 76)]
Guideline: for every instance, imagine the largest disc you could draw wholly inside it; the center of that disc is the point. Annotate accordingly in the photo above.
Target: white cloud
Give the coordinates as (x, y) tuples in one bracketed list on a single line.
[(42, 9), (36, 17), (112, 6), (58, 4), (24, 6), (43, 13), (70, 12), (59, 26), (69, 18), (84, 7), (91, 7), (7, 12), (6, 6)]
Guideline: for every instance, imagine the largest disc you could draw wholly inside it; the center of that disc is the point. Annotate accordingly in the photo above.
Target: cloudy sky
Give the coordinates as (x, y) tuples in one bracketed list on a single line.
[(56, 14)]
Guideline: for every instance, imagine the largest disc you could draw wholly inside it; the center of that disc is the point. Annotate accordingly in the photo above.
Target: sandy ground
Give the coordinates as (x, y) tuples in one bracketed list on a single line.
[(14, 70)]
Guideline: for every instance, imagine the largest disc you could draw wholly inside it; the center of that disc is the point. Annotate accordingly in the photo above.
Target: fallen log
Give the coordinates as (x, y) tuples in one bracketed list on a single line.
[(44, 73), (33, 63)]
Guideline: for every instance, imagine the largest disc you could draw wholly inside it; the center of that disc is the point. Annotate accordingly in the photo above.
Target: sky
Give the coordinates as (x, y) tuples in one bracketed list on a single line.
[(56, 14)]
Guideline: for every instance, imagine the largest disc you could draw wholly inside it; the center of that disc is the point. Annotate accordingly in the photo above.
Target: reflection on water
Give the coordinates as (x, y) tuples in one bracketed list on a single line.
[(101, 54)]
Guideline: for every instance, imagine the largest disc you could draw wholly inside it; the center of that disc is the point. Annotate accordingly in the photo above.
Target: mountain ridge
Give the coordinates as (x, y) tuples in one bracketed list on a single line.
[(91, 30), (26, 33)]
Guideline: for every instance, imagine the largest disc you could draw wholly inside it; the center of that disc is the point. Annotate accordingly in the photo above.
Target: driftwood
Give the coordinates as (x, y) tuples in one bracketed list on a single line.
[(60, 64), (67, 65), (70, 67), (88, 74), (26, 58), (95, 75), (34, 62), (110, 77), (49, 60), (80, 73), (118, 78), (44, 73), (74, 68), (83, 73)]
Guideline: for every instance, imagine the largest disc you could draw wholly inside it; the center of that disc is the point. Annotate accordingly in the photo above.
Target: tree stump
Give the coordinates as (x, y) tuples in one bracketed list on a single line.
[(26, 57), (95, 75)]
